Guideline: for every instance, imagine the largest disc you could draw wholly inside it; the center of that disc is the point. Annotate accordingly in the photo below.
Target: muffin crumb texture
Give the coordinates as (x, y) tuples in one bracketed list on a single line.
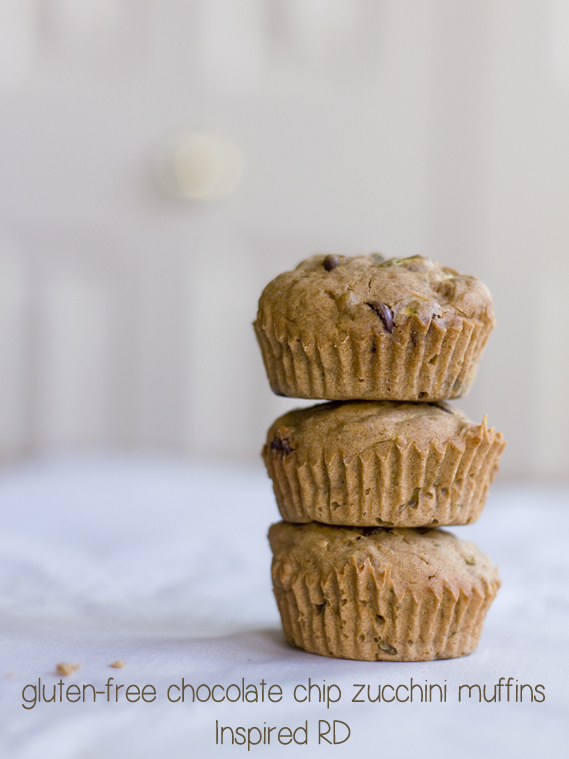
[(66, 669)]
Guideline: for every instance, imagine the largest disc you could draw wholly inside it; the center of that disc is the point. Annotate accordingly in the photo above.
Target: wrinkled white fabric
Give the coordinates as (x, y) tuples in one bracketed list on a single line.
[(165, 565)]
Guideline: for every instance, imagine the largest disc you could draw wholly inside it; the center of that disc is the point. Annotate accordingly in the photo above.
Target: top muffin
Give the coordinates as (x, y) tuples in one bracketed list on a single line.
[(347, 328)]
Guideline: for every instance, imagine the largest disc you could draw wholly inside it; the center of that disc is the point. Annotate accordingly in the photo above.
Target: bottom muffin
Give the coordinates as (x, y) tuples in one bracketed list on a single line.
[(378, 593)]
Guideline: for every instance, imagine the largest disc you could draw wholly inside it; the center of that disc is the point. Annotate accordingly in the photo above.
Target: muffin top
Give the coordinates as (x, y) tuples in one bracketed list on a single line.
[(352, 428), (357, 293), (408, 559)]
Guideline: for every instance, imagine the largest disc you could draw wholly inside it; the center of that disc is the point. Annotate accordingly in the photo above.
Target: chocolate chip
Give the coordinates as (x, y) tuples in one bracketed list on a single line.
[(281, 445), (330, 262), (373, 344), (384, 313), (371, 530)]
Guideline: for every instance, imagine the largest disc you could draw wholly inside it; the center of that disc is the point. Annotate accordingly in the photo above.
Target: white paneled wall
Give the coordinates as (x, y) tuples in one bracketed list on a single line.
[(73, 334), (14, 348), (425, 126), (18, 42), (553, 375)]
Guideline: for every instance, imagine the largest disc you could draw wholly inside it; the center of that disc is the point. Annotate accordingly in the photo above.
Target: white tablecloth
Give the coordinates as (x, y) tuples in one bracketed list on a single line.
[(165, 565)]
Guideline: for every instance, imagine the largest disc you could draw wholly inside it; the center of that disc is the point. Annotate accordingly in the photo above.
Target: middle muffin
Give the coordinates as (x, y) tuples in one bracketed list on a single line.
[(369, 463)]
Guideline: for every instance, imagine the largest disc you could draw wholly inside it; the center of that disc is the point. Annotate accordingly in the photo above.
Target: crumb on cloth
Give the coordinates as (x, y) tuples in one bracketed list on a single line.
[(118, 664), (66, 669)]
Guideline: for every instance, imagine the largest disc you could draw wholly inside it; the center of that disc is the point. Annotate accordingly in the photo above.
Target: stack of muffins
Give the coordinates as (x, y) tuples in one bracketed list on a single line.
[(360, 568)]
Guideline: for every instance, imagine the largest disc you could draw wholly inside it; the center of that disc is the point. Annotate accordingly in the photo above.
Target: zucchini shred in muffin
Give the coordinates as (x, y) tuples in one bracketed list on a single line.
[(344, 328), (369, 463), (380, 593)]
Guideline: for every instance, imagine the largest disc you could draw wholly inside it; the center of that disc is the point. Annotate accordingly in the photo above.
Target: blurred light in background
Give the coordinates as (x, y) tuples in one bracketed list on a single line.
[(435, 127), (199, 167)]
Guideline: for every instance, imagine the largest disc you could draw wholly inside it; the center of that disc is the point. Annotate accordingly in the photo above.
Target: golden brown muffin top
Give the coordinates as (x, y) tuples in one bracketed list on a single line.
[(356, 292), (353, 427), (410, 559)]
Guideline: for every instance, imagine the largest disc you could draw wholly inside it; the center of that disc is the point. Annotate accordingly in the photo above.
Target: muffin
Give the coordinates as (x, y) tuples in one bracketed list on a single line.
[(341, 328), (380, 593), (369, 463)]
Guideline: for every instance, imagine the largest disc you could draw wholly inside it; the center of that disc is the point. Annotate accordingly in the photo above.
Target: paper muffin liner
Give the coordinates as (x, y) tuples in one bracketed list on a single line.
[(444, 484), (417, 361), (357, 613)]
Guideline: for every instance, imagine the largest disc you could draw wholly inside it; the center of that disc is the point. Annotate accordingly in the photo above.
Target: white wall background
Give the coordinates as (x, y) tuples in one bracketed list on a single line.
[(438, 127)]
